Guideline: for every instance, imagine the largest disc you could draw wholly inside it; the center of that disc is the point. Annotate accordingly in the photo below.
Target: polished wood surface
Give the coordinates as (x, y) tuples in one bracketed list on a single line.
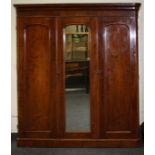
[(113, 72), (117, 77), (78, 143), (36, 110)]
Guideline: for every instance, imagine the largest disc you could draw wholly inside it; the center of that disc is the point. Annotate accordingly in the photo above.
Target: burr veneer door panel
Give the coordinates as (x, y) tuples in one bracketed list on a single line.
[(38, 60), (117, 65)]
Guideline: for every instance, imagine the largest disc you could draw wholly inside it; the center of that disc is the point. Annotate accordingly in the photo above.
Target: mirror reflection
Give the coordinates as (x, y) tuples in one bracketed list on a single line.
[(77, 99)]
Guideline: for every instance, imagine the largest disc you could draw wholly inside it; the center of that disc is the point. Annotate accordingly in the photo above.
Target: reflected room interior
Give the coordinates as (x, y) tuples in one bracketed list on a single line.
[(77, 97)]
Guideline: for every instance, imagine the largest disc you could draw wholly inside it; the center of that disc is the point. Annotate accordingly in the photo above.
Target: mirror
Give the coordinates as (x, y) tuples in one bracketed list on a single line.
[(77, 97)]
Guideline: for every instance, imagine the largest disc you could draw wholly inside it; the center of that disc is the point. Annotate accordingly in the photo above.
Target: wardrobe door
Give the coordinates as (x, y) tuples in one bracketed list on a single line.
[(118, 77), (78, 104), (36, 77)]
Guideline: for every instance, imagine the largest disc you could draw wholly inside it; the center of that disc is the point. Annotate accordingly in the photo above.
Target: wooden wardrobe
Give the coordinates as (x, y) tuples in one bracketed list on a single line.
[(113, 74)]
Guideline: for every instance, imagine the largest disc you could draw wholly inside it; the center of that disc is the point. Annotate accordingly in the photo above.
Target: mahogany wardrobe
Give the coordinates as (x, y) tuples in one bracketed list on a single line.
[(78, 75)]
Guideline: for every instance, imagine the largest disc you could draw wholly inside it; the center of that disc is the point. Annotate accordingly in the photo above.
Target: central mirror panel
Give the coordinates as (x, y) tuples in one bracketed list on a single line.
[(77, 94)]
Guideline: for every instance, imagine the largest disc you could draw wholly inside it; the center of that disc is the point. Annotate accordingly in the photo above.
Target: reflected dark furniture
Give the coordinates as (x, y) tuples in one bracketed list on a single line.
[(113, 71), (77, 74)]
